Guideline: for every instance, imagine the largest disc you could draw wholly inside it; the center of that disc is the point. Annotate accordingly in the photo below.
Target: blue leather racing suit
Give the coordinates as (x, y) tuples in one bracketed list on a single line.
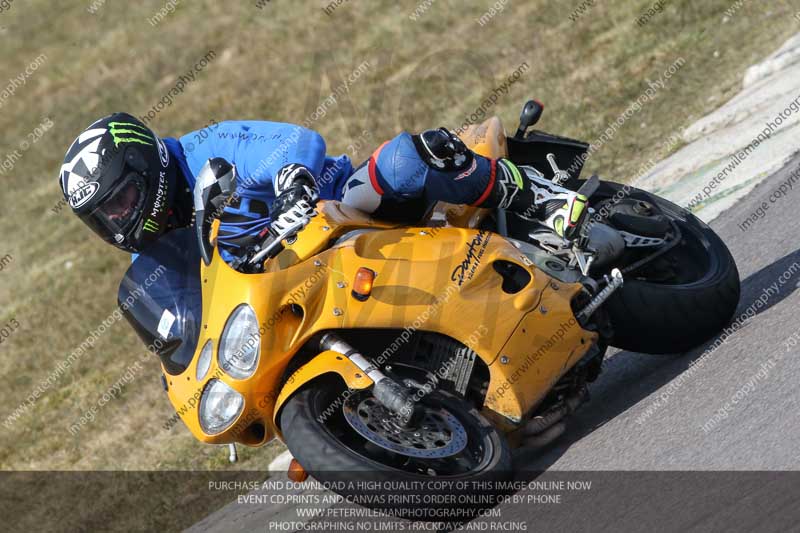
[(401, 173)]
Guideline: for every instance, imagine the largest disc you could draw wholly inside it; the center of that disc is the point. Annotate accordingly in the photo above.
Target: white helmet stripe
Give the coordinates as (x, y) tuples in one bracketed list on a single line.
[(89, 156), (91, 134)]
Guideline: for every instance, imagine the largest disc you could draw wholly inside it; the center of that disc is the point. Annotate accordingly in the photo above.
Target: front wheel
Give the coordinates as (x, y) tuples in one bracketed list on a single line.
[(449, 460)]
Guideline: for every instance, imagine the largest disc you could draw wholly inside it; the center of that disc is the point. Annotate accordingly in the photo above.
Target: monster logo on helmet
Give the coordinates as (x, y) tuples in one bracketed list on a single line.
[(134, 133), (150, 225)]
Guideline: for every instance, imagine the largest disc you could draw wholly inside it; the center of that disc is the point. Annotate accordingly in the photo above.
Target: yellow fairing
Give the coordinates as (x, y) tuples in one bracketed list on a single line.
[(547, 343), (441, 280)]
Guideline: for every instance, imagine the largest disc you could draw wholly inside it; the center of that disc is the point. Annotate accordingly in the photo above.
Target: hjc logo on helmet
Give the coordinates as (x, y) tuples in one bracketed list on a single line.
[(83, 193)]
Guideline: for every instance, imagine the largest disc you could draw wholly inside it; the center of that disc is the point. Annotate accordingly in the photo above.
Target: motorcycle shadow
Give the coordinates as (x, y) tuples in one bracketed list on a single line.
[(629, 378)]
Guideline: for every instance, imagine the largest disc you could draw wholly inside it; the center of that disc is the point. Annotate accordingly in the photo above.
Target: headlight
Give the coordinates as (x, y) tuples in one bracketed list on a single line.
[(240, 343), (204, 361), (219, 407)]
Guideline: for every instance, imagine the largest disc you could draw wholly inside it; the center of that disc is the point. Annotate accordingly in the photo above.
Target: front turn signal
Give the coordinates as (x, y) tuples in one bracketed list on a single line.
[(362, 285)]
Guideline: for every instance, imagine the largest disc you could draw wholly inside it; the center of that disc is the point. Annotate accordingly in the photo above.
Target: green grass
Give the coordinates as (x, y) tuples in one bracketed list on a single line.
[(279, 63)]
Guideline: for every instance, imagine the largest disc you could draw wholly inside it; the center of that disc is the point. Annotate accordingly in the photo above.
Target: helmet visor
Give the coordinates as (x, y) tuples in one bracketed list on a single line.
[(119, 212)]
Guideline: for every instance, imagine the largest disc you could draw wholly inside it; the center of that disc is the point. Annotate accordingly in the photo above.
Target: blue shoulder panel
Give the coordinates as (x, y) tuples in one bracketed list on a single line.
[(258, 149)]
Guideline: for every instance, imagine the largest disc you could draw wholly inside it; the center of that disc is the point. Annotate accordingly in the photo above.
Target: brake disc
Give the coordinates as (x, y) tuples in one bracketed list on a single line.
[(438, 434)]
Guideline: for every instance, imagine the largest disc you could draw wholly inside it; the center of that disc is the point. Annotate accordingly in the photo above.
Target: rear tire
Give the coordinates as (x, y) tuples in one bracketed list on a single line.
[(662, 318)]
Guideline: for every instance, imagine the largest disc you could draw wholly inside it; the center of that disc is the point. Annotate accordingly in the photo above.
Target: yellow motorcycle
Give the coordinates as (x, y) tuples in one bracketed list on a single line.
[(411, 354)]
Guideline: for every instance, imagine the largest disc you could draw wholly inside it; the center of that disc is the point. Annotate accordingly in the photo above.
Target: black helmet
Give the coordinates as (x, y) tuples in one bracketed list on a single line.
[(118, 179)]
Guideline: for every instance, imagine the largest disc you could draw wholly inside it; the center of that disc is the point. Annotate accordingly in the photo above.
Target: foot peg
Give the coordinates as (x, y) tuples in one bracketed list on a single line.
[(560, 177), (614, 283)]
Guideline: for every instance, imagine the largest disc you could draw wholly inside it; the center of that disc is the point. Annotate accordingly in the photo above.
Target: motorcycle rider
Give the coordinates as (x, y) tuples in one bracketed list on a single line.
[(130, 186)]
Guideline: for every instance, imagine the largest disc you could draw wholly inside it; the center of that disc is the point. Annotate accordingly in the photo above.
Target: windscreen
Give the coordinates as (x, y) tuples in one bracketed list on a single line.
[(161, 297)]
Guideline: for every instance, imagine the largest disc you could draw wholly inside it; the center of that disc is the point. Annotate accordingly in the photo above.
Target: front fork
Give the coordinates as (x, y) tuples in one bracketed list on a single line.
[(389, 393)]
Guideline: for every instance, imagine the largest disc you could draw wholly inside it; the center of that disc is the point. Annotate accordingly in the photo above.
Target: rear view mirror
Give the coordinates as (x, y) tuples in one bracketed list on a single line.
[(215, 185)]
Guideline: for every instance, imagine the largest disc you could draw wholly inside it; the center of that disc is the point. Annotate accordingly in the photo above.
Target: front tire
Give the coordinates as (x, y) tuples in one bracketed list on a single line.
[(332, 451)]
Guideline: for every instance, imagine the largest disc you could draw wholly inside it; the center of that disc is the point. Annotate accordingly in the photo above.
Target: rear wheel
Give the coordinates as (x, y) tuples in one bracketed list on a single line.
[(683, 298), (451, 458)]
